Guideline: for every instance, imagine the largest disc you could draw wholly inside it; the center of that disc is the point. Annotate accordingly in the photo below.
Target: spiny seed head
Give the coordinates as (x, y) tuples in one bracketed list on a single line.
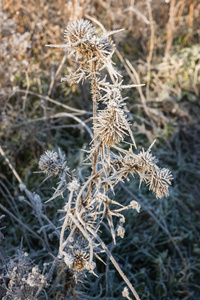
[(80, 258), (92, 52), (51, 165), (79, 31), (111, 126), (144, 164), (81, 38), (159, 182), (146, 160)]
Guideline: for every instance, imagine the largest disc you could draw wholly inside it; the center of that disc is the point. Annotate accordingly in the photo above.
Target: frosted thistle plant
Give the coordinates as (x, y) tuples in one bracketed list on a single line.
[(88, 205)]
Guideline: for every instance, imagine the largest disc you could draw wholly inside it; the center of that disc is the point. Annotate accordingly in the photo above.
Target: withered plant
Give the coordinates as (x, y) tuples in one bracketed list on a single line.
[(90, 205)]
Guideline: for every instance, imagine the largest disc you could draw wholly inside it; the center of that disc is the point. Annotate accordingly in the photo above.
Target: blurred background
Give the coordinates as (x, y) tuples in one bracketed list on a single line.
[(160, 47)]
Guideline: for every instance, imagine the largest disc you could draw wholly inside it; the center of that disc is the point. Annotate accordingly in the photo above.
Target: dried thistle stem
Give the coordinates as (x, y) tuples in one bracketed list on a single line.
[(89, 205), (65, 224)]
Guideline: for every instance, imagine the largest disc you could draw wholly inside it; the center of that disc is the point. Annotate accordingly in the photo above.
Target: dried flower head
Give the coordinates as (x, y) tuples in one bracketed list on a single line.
[(81, 39), (92, 52), (146, 161), (159, 182), (143, 164), (125, 293), (79, 31), (111, 124), (135, 205), (120, 231), (73, 185), (51, 165), (80, 258)]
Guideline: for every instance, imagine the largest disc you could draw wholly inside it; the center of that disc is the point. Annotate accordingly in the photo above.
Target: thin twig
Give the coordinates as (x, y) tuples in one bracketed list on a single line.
[(10, 165), (74, 110)]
